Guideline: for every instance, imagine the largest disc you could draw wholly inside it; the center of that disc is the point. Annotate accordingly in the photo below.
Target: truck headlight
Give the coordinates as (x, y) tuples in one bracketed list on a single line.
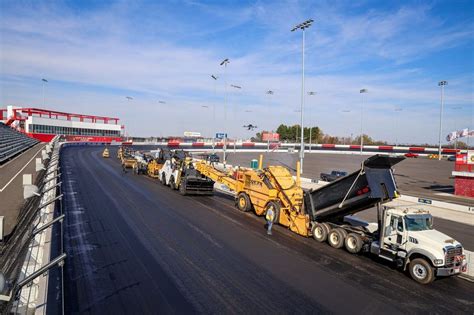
[(438, 261)]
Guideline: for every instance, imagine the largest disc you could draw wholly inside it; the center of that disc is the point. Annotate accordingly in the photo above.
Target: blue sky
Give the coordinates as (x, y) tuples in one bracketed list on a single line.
[(94, 53)]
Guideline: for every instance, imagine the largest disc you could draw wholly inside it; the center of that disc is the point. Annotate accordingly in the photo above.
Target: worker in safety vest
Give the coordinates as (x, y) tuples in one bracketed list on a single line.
[(270, 216)]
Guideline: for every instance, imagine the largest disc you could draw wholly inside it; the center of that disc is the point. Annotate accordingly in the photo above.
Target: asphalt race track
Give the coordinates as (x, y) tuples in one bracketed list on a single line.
[(134, 246)]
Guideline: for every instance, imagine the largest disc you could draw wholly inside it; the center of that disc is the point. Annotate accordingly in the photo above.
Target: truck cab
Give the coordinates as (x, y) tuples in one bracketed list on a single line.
[(408, 238)]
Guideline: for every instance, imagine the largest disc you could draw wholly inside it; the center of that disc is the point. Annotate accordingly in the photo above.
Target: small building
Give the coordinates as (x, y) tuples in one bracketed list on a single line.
[(464, 174)]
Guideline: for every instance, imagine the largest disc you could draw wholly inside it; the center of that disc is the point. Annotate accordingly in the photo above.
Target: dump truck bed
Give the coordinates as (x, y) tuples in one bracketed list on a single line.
[(361, 190)]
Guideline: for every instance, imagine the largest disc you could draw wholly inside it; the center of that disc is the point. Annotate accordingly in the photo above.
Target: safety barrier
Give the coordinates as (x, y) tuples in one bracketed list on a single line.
[(26, 255)]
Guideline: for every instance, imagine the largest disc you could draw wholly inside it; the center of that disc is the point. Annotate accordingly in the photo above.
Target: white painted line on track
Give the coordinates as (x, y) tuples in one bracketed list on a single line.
[(14, 176)]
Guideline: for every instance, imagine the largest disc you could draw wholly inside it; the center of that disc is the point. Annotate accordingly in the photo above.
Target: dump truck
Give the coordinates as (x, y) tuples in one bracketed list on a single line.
[(178, 172), (403, 236)]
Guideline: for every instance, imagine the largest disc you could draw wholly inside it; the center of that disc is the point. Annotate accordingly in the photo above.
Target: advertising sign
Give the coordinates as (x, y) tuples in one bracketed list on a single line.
[(470, 157), (270, 136), (192, 134)]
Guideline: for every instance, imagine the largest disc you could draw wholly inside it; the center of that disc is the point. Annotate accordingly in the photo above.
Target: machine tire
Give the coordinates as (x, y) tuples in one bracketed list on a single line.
[(320, 232), (276, 208), (243, 202), (353, 243), (421, 271), (182, 188), (163, 179), (172, 183), (336, 238)]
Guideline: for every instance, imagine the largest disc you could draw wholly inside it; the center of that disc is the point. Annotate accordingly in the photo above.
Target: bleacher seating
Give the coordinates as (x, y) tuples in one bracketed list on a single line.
[(13, 142)]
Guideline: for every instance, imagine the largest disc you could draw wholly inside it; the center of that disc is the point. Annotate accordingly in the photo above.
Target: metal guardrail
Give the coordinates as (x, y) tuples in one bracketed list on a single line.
[(25, 256)]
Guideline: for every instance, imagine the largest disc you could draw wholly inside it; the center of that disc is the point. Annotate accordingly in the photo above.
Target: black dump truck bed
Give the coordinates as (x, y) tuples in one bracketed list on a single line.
[(355, 192)]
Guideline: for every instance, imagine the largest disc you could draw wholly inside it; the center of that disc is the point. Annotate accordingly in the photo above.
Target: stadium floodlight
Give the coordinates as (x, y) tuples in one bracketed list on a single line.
[(224, 63), (441, 84), (362, 91), (236, 86), (129, 98), (162, 102), (302, 26), (205, 106), (270, 92), (214, 77)]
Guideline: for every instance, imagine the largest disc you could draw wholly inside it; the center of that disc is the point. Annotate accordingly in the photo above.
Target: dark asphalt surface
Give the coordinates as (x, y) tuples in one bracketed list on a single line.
[(137, 247)]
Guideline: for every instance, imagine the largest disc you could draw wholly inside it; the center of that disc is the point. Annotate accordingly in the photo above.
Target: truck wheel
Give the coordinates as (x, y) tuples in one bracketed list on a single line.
[(336, 238), (172, 183), (421, 271), (320, 232), (243, 202), (163, 179), (276, 210), (353, 243), (182, 189)]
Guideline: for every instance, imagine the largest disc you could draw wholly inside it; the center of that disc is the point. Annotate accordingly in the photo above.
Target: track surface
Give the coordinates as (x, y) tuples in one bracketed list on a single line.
[(137, 247)]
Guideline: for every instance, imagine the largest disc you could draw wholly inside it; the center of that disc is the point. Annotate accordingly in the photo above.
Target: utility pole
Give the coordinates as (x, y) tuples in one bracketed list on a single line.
[(224, 63), (310, 126), (441, 84), (306, 24), (363, 91)]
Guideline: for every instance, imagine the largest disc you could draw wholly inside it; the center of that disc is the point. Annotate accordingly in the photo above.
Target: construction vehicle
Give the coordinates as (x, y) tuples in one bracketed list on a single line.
[(179, 173), (259, 189), (140, 166), (402, 236), (128, 160), (119, 153), (154, 165), (105, 153)]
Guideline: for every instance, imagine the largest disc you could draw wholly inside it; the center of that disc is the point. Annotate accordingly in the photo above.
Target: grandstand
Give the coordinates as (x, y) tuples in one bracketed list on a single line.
[(13, 143)]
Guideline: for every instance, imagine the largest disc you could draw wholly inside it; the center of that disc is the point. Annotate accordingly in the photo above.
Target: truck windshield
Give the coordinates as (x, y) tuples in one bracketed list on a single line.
[(419, 222)]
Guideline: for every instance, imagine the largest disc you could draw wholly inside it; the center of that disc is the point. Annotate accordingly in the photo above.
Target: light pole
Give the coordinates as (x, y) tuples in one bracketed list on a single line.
[(214, 77), (363, 91), (398, 109), (441, 84), (306, 24), (224, 63), (44, 82), (456, 140), (311, 93), (269, 93)]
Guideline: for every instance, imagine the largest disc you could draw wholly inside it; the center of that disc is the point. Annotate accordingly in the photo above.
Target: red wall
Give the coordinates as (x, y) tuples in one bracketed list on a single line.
[(43, 137), (464, 186)]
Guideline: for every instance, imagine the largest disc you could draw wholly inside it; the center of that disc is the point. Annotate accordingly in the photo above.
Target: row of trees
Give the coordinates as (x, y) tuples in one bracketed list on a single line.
[(293, 134)]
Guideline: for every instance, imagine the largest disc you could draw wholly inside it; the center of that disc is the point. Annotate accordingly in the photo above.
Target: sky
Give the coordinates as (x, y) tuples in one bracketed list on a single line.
[(162, 54)]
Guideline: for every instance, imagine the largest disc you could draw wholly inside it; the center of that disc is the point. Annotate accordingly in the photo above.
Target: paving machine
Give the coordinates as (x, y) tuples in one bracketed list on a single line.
[(154, 166), (105, 153), (179, 173)]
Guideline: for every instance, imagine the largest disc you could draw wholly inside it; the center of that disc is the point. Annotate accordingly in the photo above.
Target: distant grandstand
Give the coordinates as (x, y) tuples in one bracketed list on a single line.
[(44, 124)]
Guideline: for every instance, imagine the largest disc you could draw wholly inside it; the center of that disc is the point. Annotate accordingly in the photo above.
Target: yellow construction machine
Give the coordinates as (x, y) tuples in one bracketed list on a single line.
[(155, 165), (105, 153), (264, 188), (119, 153)]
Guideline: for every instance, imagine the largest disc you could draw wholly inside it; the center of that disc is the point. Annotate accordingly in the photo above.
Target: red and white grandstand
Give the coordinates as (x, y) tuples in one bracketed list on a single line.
[(44, 124)]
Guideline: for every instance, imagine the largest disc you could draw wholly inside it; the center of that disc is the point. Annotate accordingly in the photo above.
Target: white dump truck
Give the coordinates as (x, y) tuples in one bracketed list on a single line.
[(403, 236)]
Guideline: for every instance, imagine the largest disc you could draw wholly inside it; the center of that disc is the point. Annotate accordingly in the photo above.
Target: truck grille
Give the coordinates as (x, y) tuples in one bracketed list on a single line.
[(452, 252)]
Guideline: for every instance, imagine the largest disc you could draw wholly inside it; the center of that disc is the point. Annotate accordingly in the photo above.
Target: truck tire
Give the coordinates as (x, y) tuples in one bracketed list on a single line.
[(336, 238), (276, 209), (243, 202), (353, 243), (320, 232), (182, 188), (172, 183), (163, 179), (421, 271)]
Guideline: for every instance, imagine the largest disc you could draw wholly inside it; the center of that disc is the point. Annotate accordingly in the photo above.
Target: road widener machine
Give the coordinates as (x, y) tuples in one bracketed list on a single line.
[(258, 190), (403, 236), (178, 172)]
